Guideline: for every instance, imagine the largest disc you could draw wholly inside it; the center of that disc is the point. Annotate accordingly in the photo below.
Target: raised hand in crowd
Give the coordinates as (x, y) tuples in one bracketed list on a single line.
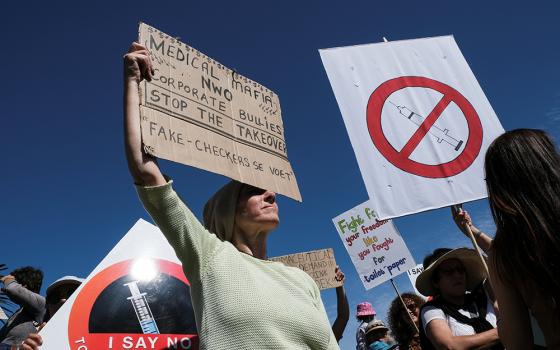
[(7, 279), (342, 307), (464, 223)]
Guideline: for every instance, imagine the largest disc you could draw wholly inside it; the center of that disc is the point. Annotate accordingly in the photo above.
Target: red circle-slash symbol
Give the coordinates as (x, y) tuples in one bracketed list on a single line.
[(401, 159)]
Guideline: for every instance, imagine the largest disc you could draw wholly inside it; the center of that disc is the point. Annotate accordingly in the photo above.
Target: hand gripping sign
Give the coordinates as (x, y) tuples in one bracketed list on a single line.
[(375, 246), (418, 121), (136, 298)]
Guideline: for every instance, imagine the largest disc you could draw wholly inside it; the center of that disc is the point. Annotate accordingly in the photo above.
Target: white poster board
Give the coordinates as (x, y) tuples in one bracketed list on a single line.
[(413, 275), (124, 303), (375, 247), (418, 121)]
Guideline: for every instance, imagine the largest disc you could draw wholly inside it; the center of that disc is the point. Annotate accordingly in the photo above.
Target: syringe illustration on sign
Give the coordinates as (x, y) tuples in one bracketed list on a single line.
[(142, 309), (437, 132)]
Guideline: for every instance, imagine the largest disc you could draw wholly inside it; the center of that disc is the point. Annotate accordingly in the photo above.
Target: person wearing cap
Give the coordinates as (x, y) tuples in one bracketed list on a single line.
[(57, 293), (364, 314), (461, 315), (377, 336), (241, 300)]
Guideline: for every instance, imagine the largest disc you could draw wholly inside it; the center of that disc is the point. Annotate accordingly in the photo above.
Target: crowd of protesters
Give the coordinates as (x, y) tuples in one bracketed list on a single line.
[(280, 307)]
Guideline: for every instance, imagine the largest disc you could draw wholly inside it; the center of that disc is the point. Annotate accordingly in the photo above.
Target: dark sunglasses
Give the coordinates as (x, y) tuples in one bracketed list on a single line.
[(450, 271), (411, 306)]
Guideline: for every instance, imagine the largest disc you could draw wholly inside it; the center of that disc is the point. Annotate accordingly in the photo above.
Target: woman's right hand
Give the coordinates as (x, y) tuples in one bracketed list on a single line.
[(463, 221), (138, 64)]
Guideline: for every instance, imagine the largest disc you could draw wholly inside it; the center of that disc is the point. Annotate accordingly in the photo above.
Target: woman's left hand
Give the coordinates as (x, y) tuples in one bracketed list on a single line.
[(339, 275)]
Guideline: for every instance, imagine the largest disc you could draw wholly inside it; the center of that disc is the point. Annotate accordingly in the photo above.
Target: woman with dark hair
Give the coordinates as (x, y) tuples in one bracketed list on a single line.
[(401, 320), (240, 299), (523, 180)]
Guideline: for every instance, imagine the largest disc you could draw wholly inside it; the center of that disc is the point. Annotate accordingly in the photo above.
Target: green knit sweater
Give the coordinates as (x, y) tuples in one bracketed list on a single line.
[(240, 302)]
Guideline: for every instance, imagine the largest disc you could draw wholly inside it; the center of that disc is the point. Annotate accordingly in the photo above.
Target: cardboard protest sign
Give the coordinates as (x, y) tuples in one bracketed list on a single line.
[(319, 264), (124, 303), (198, 112), (418, 121), (375, 247), (413, 275)]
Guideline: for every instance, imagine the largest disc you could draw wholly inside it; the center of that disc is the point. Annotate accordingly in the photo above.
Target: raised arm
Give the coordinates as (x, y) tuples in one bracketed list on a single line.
[(34, 303), (463, 220), (342, 307), (191, 242), (142, 166)]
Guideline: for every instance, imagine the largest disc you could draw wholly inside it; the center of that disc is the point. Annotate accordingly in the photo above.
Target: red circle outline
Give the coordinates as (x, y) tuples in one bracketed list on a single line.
[(78, 322), (373, 114)]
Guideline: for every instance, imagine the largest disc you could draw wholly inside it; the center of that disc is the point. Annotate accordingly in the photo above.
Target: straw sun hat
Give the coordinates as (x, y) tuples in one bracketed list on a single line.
[(469, 258)]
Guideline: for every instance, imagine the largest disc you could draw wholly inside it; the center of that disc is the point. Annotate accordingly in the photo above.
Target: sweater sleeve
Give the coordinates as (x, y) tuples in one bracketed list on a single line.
[(32, 302), (192, 243)]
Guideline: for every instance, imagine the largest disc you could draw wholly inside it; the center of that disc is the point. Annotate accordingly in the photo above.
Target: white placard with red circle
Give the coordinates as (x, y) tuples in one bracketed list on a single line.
[(124, 303), (418, 121)]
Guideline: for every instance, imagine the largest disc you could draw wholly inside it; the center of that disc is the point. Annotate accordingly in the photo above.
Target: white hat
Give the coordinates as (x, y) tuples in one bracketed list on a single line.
[(66, 280)]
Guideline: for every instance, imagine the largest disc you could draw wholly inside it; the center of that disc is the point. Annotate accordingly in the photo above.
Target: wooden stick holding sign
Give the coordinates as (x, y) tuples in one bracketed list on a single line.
[(319, 264), (459, 209), (405, 308)]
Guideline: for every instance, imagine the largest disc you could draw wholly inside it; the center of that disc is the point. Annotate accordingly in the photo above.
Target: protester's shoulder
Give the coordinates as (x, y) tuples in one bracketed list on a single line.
[(431, 312)]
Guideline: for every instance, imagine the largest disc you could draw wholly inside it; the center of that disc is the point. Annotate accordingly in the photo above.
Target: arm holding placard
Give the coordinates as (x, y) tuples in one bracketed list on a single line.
[(342, 307), (143, 167), (192, 244), (464, 223)]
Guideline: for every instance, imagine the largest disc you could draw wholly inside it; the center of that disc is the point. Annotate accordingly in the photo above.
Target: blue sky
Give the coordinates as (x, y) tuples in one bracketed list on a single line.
[(67, 196)]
